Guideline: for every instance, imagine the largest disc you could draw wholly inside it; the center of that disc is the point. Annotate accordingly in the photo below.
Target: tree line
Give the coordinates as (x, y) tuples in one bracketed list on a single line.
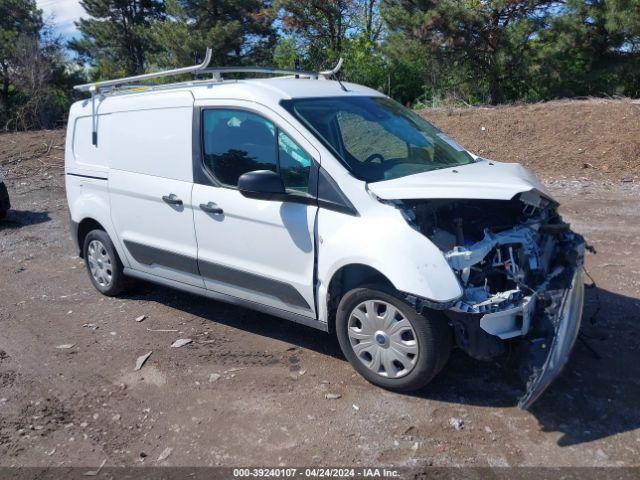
[(420, 52)]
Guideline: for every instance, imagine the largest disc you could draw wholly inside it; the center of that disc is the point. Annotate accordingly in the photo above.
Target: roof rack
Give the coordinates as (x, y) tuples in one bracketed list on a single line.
[(96, 86), (203, 68), (216, 72)]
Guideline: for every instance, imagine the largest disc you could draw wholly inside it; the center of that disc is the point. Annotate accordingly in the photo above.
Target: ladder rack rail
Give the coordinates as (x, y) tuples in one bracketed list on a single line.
[(219, 71), (203, 68), (95, 86)]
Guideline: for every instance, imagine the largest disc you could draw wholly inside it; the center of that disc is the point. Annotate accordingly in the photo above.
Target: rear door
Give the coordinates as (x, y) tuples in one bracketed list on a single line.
[(150, 184), (257, 250)]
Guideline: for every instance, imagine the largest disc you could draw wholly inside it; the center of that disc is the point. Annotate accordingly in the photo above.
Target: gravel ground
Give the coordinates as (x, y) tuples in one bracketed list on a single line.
[(252, 389)]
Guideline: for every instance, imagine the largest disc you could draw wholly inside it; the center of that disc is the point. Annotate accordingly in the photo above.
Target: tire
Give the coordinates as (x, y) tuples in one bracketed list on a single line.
[(103, 263), (5, 204), (428, 336)]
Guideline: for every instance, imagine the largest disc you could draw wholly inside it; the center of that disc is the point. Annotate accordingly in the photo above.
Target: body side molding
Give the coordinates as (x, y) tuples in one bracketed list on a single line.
[(257, 283), (151, 255), (277, 312), (227, 275)]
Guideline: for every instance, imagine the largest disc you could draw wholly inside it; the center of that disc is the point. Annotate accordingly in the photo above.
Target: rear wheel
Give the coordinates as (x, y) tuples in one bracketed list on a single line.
[(388, 342), (103, 264)]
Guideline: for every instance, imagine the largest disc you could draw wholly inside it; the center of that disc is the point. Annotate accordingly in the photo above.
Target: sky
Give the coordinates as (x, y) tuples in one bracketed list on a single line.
[(64, 13)]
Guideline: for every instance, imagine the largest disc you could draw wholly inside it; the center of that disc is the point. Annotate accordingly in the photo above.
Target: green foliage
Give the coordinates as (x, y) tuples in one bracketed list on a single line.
[(514, 50), (365, 64), (592, 48), (319, 26), (34, 78), (18, 18), (116, 38), (420, 52), (238, 31), (487, 40), (286, 52)]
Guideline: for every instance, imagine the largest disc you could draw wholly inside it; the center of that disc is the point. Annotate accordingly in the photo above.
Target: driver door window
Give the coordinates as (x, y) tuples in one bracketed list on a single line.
[(237, 142)]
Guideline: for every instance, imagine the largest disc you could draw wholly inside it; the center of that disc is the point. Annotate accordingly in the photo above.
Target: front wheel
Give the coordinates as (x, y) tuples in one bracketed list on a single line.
[(388, 342)]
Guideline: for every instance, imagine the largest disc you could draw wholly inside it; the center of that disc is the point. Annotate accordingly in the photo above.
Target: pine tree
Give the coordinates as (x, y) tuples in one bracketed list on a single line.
[(488, 39), (591, 48), (116, 38), (320, 27), (238, 31)]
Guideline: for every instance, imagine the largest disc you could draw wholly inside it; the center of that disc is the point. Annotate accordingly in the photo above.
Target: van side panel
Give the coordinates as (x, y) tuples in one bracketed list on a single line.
[(158, 237), (150, 186), (152, 142)]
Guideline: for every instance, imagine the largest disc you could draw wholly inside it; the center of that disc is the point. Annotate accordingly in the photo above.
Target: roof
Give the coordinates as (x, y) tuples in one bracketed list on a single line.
[(267, 91), (287, 87)]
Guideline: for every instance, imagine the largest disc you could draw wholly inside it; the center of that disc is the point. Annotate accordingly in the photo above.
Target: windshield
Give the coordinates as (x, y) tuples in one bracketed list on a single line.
[(377, 138)]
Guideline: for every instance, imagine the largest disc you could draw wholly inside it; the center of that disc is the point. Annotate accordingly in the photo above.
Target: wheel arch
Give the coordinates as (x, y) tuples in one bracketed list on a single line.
[(84, 227), (89, 223), (346, 278)]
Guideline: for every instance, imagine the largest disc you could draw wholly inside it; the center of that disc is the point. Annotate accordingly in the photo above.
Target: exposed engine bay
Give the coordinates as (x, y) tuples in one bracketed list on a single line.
[(513, 259), (501, 250)]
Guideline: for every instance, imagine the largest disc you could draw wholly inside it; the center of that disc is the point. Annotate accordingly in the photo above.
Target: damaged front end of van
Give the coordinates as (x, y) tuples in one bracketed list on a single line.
[(519, 267)]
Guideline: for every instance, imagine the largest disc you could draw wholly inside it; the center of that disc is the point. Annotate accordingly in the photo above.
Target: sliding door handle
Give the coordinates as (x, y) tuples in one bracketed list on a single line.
[(172, 199), (211, 208)]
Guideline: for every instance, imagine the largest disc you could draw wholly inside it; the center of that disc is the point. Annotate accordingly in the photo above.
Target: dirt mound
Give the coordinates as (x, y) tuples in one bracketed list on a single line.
[(598, 139), (25, 154)]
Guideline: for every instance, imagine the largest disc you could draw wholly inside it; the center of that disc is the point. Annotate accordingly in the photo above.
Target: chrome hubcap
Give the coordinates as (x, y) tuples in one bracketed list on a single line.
[(99, 263), (382, 338)]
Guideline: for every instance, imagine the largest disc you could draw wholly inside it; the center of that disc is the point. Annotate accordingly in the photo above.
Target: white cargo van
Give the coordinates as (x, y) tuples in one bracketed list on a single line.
[(327, 204)]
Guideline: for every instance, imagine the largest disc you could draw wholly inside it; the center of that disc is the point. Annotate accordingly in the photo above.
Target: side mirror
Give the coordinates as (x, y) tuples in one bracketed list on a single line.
[(261, 184)]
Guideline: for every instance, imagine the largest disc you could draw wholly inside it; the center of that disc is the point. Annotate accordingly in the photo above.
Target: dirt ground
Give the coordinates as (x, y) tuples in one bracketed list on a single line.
[(250, 389), (598, 139)]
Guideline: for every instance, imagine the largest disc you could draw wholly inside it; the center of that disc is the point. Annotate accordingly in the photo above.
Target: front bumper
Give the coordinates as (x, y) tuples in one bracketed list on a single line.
[(540, 328), (565, 317)]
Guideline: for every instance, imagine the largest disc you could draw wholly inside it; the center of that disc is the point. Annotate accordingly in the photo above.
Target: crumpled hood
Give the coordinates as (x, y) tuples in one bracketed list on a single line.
[(481, 180)]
